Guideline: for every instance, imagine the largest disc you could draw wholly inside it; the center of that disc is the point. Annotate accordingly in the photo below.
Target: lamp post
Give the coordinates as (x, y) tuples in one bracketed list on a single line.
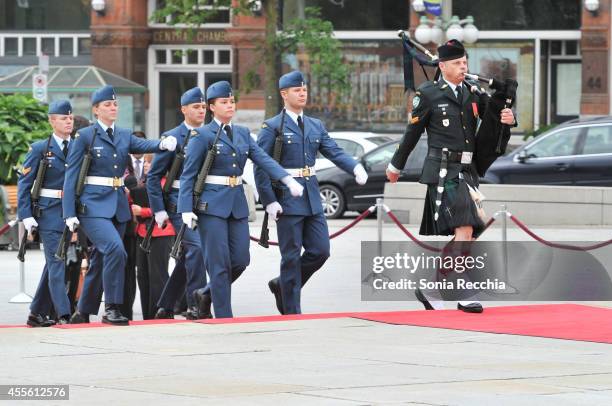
[(440, 29)]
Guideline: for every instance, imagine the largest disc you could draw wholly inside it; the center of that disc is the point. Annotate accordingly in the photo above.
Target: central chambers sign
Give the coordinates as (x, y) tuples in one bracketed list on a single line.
[(172, 36)]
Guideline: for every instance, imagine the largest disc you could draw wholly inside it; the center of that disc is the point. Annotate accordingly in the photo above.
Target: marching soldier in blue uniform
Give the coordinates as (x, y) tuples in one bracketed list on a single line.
[(449, 113), (102, 207), (222, 210), (189, 273), (46, 213), (299, 222)]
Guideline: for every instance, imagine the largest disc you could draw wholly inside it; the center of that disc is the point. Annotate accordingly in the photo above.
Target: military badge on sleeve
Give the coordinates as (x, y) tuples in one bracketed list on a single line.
[(445, 122), (415, 102)]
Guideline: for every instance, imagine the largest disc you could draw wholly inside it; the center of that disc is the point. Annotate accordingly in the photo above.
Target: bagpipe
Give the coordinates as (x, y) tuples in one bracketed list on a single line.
[(492, 136)]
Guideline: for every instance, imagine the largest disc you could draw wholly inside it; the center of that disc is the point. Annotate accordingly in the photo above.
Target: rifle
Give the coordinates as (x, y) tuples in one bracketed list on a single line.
[(198, 189), (277, 151), (39, 180), (23, 243), (177, 165), (84, 170)]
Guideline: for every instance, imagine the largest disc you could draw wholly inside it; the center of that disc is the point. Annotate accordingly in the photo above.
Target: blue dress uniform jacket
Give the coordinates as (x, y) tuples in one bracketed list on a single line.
[(110, 158), (51, 218), (189, 273), (298, 152), (222, 201), (223, 227), (51, 289)]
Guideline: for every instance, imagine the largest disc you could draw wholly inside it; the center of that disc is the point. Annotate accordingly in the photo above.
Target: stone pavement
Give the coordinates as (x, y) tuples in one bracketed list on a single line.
[(335, 361)]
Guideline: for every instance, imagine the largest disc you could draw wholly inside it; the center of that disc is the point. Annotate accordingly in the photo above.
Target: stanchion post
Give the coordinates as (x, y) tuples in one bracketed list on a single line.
[(379, 222), (22, 296), (504, 212)]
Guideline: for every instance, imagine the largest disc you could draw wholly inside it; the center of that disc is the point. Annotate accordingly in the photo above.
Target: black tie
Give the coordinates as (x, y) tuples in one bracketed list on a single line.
[(109, 131), (65, 149), (301, 124), (228, 131), (459, 95)]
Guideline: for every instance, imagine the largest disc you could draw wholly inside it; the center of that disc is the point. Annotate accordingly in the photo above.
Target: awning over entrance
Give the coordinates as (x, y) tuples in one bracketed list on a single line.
[(71, 79)]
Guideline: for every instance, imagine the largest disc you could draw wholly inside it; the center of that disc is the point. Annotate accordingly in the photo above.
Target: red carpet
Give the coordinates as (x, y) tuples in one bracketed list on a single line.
[(562, 321)]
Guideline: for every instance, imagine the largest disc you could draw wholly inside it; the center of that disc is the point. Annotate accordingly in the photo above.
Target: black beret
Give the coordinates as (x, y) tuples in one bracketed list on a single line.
[(452, 49)]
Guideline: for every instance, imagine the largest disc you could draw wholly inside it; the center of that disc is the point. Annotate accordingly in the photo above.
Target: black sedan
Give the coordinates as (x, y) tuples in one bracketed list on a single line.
[(577, 153), (340, 192)]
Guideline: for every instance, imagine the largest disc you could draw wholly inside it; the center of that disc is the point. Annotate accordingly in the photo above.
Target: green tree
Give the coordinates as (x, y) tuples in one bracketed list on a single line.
[(23, 120), (312, 35)]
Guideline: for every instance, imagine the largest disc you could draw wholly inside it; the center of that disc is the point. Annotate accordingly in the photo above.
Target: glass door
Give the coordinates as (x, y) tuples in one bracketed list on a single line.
[(172, 85)]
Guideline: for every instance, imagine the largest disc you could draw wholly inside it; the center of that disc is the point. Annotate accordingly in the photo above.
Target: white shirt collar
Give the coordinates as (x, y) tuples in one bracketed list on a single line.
[(105, 127), (60, 141), (220, 124), (190, 127), (294, 116), (453, 86)]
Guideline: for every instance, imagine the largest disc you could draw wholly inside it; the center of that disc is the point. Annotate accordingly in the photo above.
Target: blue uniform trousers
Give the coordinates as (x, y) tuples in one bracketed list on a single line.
[(51, 288), (295, 232), (189, 273), (107, 264), (227, 256)]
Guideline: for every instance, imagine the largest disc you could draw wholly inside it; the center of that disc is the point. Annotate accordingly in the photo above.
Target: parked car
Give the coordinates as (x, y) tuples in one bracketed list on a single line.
[(578, 152), (340, 192), (354, 143)]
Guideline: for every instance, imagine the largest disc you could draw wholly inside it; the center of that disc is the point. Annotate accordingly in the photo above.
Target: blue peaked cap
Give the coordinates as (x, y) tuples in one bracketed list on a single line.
[(219, 89), (291, 79), (194, 95), (103, 94), (60, 107)]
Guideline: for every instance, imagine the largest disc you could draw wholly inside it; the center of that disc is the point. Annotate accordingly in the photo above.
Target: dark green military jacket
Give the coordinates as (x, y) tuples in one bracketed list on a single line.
[(449, 123)]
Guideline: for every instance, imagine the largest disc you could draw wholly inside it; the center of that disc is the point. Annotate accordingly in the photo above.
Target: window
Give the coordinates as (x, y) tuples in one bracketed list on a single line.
[(45, 15), (192, 57), (10, 46), (561, 143), (29, 46), (350, 147), (66, 45), (221, 16), (160, 56), (354, 14), (224, 57), (521, 14), (208, 57), (381, 155), (84, 46), (47, 46), (598, 140)]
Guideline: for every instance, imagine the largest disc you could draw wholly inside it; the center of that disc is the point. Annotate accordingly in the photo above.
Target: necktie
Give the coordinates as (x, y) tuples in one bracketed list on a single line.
[(459, 94), (228, 131), (137, 169), (109, 131), (65, 149), (301, 124)]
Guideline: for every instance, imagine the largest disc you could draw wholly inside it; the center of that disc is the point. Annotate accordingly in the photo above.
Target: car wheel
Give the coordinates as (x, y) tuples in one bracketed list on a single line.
[(333, 201)]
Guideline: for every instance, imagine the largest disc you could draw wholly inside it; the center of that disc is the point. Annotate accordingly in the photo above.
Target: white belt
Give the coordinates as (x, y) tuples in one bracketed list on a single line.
[(230, 181), (301, 172), (103, 181), (52, 193), (176, 184)]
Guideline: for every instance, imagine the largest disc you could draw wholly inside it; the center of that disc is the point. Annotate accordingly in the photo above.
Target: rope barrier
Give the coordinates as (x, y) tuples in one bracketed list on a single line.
[(536, 237), (352, 224), (7, 226)]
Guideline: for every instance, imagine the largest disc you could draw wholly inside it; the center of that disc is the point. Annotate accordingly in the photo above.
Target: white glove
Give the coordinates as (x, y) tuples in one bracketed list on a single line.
[(361, 176), (295, 188), (274, 209), (161, 217), (168, 143), (28, 223), (190, 219), (72, 223)]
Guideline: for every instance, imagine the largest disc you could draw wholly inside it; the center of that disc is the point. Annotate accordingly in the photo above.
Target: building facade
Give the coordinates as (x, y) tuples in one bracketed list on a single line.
[(557, 50)]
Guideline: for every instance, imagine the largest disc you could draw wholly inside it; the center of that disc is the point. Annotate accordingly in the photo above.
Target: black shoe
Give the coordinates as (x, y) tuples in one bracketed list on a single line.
[(203, 301), (164, 314), (474, 307), (421, 298), (112, 315), (65, 319), (79, 318), (276, 291), (192, 313), (37, 320)]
